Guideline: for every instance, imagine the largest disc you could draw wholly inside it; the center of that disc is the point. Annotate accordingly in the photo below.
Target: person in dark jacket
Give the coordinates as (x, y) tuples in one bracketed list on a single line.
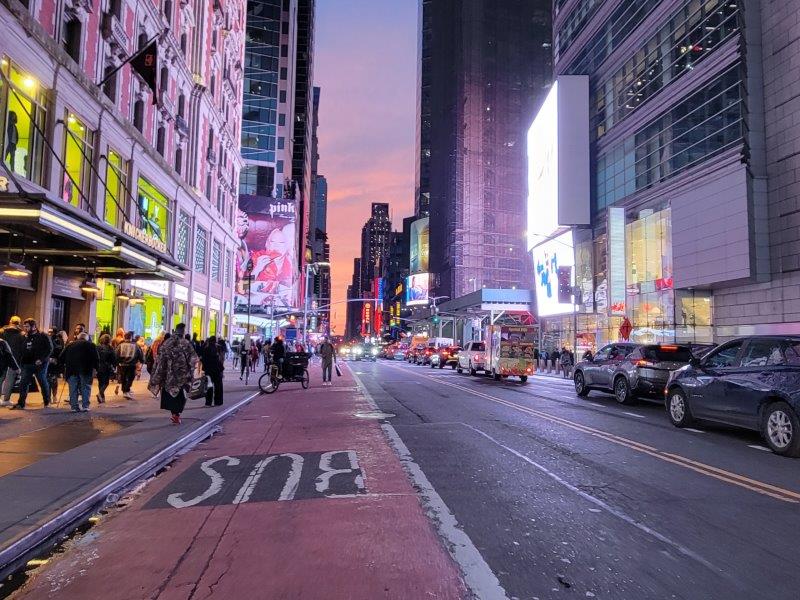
[(129, 356), (278, 351), (7, 360), (12, 334), (80, 360), (34, 363), (213, 367), (56, 368), (106, 366)]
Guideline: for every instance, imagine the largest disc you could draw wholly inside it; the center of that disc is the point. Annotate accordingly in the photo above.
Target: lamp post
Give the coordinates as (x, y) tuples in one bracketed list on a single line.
[(249, 271)]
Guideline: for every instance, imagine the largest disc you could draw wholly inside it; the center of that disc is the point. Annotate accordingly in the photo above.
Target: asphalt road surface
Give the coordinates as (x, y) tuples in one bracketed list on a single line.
[(585, 498)]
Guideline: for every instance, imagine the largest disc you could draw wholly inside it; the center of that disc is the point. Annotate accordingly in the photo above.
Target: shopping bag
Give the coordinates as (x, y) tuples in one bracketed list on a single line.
[(338, 370), (199, 387)]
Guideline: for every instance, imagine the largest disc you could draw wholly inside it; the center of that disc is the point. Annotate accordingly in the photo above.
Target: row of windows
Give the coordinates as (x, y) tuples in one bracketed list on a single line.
[(692, 33), (575, 23), (201, 248), (704, 124), (622, 22)]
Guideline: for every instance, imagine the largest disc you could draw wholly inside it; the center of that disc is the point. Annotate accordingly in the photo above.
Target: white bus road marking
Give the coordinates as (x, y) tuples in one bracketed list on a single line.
[(214, 486)]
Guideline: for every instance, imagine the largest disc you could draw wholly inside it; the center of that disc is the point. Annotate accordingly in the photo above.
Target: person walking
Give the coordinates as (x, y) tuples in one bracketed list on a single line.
[(119, 337), (266, 351), (213, 368), (142, 345), (327, 352), (244, 355), (129, 356), (7, 360), (80, 361), (56, 368), (173, 371), (222, 350), (152, 352), (35, 358), (565, 359), (77, 331), (12, 334), (106, 365)]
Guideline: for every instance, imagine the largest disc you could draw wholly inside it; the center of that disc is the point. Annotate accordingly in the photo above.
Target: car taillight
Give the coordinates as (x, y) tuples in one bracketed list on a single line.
[(644, 363), (530, 370), (479, 357)]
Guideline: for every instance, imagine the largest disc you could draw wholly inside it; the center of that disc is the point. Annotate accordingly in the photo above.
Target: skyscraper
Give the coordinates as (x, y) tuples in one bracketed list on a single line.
[(484, 68)]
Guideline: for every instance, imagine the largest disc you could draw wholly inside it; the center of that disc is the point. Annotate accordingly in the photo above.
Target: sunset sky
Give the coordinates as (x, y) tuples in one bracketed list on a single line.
[(365, 62)]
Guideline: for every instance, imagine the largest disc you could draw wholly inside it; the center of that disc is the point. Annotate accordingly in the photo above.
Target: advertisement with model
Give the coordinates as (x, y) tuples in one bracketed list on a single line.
[(266, 228), (420, 246), (418, 289), (554, 274)]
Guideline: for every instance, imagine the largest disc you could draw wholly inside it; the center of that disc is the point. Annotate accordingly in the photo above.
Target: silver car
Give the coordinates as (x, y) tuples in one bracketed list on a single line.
[(472, 358)]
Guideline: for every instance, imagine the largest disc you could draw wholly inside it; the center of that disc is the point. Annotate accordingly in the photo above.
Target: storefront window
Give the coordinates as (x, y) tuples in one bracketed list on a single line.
[(22, 121), (693, 310), (197, 321), (153, 211), (225, 326), (180, 314), (116, 185), (78, 142), (106, 308), (650, 297), (213, 318), (147, 318)]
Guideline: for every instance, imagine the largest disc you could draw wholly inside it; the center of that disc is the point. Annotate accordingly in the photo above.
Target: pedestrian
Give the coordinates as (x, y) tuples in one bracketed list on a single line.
[(222, 350), (7, 360), (554, 357), (106, 365), (142, 345), (12, 334), (77, 331), (56, 368), (328, 353), (79, 358), (565, 359), (196, 343), (173, 371), (253, 356), (152, 352), (213, 368), (244, 355), (265, 351), (119, 337), (587, 356), (129, 356), (34, 363), (235, 349), (278, 354)]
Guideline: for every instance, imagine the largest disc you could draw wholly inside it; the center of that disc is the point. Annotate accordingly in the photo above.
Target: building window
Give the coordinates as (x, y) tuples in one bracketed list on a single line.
[(181, 106), (200, 248), (216, 257), (281, 143), (71, 38), (78, 145), (163, 80), (182, 247), (153, 211), (220, 197), (208, 186), (178, 160), (282, 96), (282, 120), (184, 44), (116, 189), (168, 10), (284, 50), (138, 115), (228, 262), (110, 86), (284, 73), (279, 167), (160, 140), (213, 86), (23, 112)]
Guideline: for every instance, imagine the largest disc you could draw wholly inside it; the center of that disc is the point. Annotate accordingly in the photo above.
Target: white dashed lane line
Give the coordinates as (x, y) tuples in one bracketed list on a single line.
[(630, 414), (757, 447)]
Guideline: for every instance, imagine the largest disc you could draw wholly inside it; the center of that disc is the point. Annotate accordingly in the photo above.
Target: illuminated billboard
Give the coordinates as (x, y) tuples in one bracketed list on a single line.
[(558, 161), (266, 228), (417, 288), (554, 271), (420, 245)]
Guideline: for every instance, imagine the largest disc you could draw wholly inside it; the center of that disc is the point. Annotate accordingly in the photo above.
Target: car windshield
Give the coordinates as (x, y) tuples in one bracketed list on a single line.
[(481, 347), (667, 353)]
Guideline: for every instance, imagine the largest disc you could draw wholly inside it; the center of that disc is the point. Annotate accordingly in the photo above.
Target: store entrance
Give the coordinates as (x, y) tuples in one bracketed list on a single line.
[(58, 313), (9, 303)]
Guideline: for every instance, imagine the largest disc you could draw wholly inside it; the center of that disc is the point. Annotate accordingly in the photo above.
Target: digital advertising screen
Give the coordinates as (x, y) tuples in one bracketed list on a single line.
[(554, 269), (417, 289), (266, 228), (420, 246), (543, 171)]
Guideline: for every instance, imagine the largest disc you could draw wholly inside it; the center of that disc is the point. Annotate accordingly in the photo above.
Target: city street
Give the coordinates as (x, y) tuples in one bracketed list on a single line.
[(586, 497)]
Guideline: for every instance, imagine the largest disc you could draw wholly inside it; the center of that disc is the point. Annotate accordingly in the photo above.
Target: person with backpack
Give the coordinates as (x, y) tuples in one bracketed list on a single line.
[(106, 365), (129, 356), (213, 368)]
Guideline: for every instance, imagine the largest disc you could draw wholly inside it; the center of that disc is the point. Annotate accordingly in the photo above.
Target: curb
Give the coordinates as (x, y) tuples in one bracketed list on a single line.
[(32, 543)]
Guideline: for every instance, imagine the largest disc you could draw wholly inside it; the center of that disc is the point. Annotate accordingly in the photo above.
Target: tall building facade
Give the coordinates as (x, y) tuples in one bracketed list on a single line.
[(273, 221), (118, 184), (694, 122), (484, 68)]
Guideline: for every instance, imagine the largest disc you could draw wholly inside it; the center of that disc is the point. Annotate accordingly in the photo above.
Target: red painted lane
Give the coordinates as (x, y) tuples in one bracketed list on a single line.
[(379, 545)]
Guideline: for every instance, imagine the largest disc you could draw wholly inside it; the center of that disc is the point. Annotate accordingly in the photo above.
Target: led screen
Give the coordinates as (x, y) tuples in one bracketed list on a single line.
[(420, 245), (543, 171), (417, 287), (554, 268)]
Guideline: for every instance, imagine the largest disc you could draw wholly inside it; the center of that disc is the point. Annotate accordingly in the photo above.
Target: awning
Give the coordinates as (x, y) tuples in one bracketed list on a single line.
[(54, 233)]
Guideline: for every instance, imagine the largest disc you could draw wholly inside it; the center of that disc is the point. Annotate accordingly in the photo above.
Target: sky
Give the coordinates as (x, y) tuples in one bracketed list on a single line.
[(365, 61)]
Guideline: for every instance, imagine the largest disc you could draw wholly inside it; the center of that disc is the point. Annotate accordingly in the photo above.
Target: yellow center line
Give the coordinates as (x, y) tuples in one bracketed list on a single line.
[(760, 487)]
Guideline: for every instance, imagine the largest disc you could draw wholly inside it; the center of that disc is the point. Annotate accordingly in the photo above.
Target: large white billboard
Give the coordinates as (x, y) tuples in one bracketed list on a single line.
[(558, 161), (418, 289), (554, 272)]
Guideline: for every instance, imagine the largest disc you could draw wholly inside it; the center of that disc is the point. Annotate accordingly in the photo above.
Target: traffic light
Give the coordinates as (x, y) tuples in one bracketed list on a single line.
[(436, 319)]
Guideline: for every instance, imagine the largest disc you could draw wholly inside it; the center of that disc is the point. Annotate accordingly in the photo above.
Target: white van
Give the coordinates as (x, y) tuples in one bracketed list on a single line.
[(437, 342)]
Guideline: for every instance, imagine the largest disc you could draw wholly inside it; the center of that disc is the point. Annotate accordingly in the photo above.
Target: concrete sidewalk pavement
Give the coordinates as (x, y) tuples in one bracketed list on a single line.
[(300, 496)]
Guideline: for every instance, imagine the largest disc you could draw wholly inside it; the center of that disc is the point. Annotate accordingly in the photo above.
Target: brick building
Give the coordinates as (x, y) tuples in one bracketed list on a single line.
[(133, 193)]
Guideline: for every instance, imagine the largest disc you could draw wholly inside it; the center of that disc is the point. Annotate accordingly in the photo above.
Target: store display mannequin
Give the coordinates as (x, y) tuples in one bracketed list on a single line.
[(12, 138)]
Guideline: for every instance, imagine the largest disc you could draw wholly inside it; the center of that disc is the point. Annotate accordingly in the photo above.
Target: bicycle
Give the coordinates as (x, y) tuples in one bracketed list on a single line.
[(295, 371)]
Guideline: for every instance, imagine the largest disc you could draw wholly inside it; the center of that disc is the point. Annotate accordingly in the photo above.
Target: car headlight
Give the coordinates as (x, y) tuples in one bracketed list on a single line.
[(359, 351), (374, 352)]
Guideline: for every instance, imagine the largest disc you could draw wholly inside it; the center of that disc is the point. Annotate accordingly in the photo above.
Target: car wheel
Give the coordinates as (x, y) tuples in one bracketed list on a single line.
[(496, 375), (622, 391), (678, 408), (580, 385), (441, 365), (781, 429), (472, 370), (523, 378), (459, 370)]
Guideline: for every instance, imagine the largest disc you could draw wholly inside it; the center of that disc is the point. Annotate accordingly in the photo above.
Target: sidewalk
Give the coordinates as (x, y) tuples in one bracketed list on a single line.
[(334, 516), (53, 462)]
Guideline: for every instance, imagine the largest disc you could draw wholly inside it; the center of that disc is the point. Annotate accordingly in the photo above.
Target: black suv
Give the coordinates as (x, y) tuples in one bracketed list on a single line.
[(753, 383)]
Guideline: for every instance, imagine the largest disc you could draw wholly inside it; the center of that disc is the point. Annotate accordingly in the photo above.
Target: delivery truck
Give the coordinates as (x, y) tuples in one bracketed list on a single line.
[(509, 351)]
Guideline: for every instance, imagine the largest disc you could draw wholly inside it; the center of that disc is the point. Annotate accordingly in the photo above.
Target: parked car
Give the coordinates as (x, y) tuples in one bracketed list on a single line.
[(752, 383), (399, 354), (445, 357), (423, 357), (472, 358), (601, 371), (370, 352)]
